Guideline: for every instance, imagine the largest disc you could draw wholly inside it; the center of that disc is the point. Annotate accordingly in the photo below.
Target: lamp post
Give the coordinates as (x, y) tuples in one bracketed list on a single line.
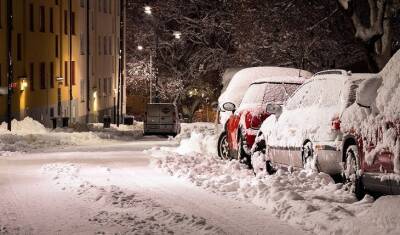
[(141, 48), (10, 70)]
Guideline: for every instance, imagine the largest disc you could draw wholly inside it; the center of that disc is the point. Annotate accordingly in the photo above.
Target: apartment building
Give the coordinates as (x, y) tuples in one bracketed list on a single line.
[(66, 59)]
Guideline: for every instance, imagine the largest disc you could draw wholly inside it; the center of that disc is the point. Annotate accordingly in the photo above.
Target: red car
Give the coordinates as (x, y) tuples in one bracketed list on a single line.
[(242, 126), (371, 144)]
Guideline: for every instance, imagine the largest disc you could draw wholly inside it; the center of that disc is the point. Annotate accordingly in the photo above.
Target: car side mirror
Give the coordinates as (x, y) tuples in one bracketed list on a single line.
[(274, 109), (229, 106), (367, 91)]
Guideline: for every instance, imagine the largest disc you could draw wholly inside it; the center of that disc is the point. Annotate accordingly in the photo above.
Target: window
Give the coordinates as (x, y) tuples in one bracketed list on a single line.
[(105, 6), (66, 73), (32, 76), (83, 89), (99, 45), (42, 76), (56, 46), (109, 6), (105, 45), (82, 44), (42, 19), (73, 73), (105, 87), (51, 75), (82, 3), (56, 2), (31, 18), (99, 5), (73, 23), (66, 22), (1, 16), (109, 46), (51, 21), (1, 75), (19, 47)]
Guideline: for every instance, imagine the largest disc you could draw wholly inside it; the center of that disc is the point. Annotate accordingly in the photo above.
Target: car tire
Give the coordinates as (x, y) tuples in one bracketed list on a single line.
[(223, 147), (351, 177), (307, 155), (242, 155)]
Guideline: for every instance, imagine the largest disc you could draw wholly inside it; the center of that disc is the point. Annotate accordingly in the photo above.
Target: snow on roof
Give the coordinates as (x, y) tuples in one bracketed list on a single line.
[(242, 80), (282, 79), (388, 97)]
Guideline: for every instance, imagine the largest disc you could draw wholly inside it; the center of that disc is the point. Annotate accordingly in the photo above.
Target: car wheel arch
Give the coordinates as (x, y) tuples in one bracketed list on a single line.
[(347, 141)]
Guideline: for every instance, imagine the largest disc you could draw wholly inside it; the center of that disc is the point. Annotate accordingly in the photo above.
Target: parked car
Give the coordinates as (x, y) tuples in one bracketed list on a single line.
[(235, 90), (371, 142), (246, 120), (161, 119), (305, 132)]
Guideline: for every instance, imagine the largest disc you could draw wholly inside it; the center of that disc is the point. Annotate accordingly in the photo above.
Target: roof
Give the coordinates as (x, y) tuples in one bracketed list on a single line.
[(281, 79)]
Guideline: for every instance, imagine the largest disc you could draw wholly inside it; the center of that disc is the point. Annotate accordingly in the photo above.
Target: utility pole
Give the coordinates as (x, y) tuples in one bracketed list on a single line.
[(10, 74), (121, 67), (71, 22), (123, 12), (87, 61)]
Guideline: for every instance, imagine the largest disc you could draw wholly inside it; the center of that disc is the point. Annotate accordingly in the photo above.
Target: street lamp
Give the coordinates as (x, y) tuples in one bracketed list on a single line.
[(177, 34), (147, 10), (141, 48)]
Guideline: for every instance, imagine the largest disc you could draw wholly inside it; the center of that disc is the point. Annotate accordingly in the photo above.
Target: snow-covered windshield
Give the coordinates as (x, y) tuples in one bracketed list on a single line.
[(319, 92), (263, 93)]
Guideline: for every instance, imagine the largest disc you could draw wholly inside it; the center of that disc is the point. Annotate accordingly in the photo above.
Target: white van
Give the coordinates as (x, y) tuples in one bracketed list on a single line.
[(162, 119)]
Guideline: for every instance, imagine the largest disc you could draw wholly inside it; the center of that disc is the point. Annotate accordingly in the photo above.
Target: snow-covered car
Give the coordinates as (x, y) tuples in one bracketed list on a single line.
[(305, 132), (236, 89), (371, 142), (242, 126)]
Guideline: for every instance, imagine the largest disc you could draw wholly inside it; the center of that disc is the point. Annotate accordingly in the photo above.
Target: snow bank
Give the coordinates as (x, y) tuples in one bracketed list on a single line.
[(307, 199), (29, 135)]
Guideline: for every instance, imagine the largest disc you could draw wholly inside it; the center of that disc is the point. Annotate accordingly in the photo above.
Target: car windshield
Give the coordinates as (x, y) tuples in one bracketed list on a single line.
[(319, 92), (263, 93)]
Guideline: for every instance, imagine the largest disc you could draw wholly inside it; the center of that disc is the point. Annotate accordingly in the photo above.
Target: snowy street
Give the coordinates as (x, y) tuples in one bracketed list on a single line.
[(112, 189)]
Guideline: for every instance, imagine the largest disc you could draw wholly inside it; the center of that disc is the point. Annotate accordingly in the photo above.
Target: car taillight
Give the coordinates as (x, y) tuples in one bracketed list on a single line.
[(335, 124), (255, 122)]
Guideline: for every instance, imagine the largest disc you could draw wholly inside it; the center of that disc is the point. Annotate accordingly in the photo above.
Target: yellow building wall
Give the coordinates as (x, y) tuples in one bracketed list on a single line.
[(39, 47)]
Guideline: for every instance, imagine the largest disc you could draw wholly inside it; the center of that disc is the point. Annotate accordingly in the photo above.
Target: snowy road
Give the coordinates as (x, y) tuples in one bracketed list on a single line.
[(112, 189)]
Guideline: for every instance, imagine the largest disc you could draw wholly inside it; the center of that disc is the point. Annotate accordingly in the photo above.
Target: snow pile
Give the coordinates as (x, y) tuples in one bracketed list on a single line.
[(378, 124), (29, 135), (311, 200)]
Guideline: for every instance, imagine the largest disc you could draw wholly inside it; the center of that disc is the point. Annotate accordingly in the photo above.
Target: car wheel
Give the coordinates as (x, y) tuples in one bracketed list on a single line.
[(223, 147), (242, 155), (351, 176), (308, 157)]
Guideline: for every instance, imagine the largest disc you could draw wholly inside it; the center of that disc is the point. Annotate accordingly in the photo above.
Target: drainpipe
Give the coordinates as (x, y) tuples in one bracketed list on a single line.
[(87, 61), (70, 58), (10, 74), (123, 15)]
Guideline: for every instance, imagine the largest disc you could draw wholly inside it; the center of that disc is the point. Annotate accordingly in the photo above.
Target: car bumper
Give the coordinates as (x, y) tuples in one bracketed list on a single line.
[(329, 157)]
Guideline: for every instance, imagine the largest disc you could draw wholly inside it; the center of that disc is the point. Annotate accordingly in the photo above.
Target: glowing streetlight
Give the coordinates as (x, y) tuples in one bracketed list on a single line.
[(147, 10), (177, 34), (140, 48)]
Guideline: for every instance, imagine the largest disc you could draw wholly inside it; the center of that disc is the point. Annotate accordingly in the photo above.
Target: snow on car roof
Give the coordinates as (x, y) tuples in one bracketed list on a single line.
[(242, 80), (281, 79), (388, 97)]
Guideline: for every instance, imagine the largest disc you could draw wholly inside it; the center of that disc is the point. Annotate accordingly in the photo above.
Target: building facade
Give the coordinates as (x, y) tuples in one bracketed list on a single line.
[(66, 59)]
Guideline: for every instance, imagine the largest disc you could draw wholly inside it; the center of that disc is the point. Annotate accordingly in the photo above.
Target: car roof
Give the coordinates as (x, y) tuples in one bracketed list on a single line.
[(281, 79)]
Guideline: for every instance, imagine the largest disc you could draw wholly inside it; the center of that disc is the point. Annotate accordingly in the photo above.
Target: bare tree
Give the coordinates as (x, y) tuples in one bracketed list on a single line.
[(378, 33)]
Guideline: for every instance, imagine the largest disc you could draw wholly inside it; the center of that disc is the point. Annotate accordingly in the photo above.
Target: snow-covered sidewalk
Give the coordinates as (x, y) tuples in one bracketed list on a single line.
[(307, 199), (29, 135)]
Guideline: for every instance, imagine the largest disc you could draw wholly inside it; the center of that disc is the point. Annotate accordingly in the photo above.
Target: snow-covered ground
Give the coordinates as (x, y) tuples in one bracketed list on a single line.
[(29, 135), (111, 189), (302, 198), (109, 185)]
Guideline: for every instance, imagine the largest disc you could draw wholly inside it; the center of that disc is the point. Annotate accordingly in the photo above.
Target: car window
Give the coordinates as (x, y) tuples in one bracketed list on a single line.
[(263, 93), (318, 92)]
